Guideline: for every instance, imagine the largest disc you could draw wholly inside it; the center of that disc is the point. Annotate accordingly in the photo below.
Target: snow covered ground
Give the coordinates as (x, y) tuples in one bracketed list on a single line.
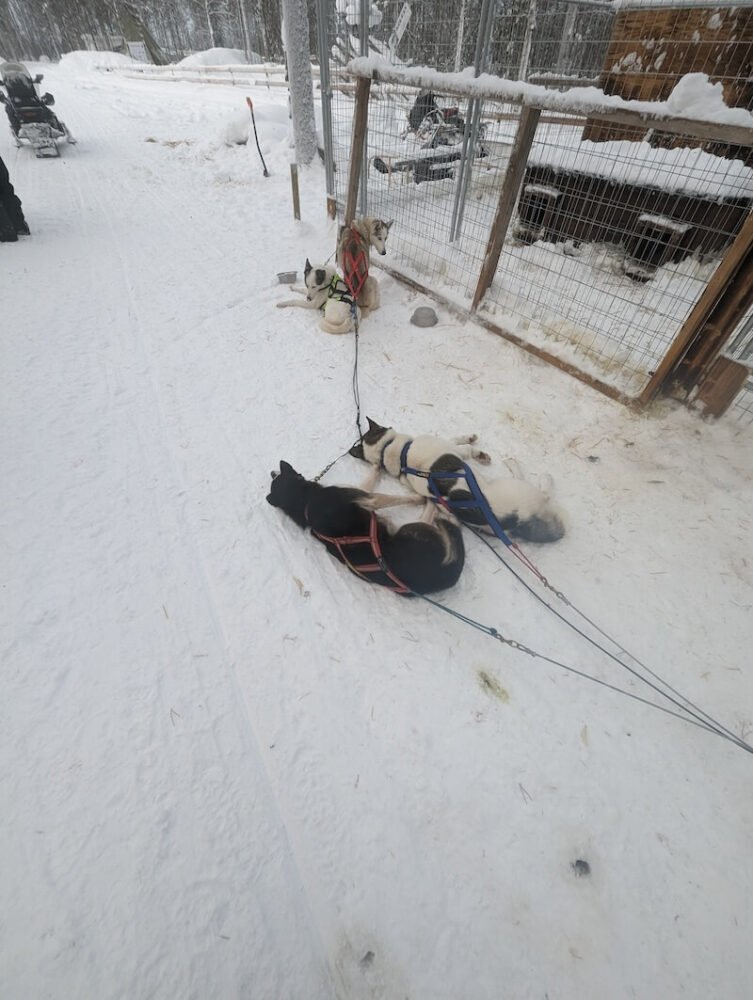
[(230, 769)]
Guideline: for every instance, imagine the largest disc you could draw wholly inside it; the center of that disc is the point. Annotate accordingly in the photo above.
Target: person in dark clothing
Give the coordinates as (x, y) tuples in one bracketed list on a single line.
[(12, 221)]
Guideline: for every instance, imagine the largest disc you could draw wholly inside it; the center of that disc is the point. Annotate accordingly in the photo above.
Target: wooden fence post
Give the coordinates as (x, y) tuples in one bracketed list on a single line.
[(712, 297), (360, 120), (296, 192), (529, 119)]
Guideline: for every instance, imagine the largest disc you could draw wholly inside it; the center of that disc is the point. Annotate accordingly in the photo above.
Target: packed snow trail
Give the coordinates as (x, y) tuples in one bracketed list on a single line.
[(232, 770), (135, 685)]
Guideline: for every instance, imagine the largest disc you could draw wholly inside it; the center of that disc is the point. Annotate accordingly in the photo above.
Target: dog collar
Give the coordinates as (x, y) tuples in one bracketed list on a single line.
[(385, 446), (403, 453), (404, 457)]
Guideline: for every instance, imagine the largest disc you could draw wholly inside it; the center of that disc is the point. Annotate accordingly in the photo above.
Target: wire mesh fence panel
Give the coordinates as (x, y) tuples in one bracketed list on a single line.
[(740, 349), (415, 151), (547, 40), (612, 244), (612, 241), (741, 410), (437, 33)]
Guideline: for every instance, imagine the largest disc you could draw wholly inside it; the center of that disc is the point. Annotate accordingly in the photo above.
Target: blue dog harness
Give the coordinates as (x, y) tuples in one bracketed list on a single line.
[(477, 500)]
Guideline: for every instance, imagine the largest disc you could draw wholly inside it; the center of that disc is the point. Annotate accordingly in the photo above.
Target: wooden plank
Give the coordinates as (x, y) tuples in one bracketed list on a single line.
[(736, 135), (726, 315), (699, 314), (296, 193), (508, 196), (718, 390), (360, 120)]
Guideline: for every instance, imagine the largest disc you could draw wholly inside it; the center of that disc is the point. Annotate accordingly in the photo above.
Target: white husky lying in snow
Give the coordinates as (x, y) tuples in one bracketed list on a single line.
[(326, 290), (522, 509)]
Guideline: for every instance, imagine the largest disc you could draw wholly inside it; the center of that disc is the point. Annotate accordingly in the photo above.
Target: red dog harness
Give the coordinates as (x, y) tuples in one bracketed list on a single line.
[(378, 566), (355, 261)]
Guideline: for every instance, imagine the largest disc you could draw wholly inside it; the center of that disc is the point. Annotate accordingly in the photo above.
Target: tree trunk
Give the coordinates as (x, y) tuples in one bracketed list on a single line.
[(296, 39)]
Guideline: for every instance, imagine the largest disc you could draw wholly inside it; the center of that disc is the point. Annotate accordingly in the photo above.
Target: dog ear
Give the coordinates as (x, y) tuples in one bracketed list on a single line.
[(389, 224), (287, 468), (307, 268), (357, 450), (372, 424)]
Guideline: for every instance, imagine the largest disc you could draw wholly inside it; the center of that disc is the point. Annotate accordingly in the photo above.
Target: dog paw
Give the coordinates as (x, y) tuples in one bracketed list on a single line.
[(467, 439), (482, 458)]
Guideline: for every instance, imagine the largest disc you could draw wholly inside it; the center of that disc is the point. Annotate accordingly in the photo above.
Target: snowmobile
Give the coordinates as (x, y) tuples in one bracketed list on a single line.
[(433, 128), (29, 114)]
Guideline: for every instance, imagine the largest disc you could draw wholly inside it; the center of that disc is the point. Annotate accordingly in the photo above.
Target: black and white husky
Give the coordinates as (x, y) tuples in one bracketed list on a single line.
[(417, 557), (522, 509), (326, 290)]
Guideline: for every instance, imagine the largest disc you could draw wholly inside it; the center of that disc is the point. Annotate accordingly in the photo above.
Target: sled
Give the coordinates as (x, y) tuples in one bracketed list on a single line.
[(29, 115)]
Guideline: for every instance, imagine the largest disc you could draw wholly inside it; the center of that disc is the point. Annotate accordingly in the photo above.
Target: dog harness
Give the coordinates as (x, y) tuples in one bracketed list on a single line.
[(363, 570), (355, 261), (477, 500), (337, 289)]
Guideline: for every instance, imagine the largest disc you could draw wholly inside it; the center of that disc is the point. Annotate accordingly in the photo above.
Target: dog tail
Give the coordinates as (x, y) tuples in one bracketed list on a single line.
[(345, 327), (451, 536)]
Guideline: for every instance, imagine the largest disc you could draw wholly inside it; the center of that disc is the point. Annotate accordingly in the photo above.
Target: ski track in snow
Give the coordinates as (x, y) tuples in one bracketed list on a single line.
[(231, 769)]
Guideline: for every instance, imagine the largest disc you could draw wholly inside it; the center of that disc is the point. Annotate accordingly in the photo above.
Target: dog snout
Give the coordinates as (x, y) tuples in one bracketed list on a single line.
[(382, 253)]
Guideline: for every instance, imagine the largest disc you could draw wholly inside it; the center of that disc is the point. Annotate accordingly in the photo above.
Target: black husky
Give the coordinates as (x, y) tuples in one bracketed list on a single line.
[(418, 558)]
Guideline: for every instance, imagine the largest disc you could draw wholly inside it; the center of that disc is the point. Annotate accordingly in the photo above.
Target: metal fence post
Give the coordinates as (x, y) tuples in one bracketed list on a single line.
[(364, 7), (325, 89), (470, 136)]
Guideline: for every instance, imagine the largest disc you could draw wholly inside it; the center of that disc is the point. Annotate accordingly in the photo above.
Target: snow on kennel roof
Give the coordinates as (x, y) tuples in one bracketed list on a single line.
[(694, 98), (681, 170)]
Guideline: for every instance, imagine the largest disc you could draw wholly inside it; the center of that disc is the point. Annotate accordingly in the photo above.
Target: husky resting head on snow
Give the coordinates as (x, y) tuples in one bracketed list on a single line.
[(522, 509)]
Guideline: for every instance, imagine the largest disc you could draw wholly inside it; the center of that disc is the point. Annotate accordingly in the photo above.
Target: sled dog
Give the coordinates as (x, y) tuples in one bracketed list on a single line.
[(522, 509), (418, 557), (326, 290), (356, 239)]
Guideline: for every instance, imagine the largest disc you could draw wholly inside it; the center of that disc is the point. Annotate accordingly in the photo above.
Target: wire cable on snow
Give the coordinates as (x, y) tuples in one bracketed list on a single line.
[(520, 647), (695, 711)]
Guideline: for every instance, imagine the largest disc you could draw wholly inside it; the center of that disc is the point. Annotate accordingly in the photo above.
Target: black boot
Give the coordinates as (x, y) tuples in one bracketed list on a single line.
[(12, 221)]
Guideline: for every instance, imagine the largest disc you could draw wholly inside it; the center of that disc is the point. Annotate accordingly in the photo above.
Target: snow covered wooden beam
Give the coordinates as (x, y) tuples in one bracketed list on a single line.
[(695, 108)]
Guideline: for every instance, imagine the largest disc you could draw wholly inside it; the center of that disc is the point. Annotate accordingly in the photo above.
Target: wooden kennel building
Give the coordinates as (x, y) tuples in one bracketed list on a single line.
[(655, 221)]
